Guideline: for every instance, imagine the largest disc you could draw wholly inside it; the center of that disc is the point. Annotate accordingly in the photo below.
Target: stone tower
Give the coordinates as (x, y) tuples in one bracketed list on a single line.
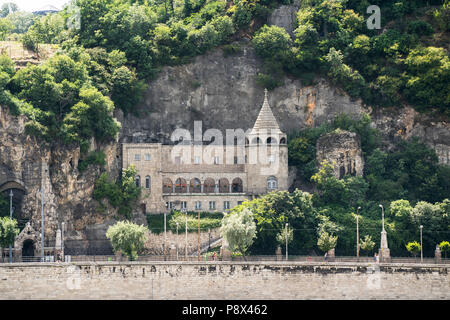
[(267, 154)]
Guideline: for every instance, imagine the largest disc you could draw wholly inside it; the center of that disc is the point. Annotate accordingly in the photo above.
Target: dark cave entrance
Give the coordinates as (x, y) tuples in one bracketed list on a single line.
[(28, 248)]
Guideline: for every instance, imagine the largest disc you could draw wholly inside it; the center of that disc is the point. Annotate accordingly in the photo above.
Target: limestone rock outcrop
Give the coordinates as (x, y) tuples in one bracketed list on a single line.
[(343, 150)]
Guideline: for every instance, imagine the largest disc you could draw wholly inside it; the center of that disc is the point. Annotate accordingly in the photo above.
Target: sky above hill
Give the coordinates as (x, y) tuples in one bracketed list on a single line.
[(33, 5)]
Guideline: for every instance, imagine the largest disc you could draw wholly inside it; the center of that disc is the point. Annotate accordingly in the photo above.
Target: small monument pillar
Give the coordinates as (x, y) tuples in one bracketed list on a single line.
[(278, 254), (384, 252), (331, 256), (437, 254), (172, 252)]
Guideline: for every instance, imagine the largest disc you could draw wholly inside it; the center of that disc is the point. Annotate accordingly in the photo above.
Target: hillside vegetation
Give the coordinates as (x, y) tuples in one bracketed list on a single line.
[(108, 50)]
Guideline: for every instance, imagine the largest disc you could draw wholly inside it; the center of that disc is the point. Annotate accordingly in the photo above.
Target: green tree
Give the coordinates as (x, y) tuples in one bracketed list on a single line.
[(5, 28), (428, 71), (21, 21), (326, 241), (367, 244), (7, 9), (413, 248), (127, 237), (239, 230), (48, 29), (285, 235), (121, 194), (8, 232), (445, 247), (342, 74), (272, 42), (127, 90)]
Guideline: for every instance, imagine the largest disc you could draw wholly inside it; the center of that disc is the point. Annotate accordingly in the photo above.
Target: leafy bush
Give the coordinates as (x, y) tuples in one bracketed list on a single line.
[(94, 157), (207, 221), (413, 248), (231, 49), (420, 27), (127, 237), (121, 194)]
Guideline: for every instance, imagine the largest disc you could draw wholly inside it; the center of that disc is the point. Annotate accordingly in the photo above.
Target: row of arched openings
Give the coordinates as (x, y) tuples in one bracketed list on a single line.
[(269, 140), (208, 186)]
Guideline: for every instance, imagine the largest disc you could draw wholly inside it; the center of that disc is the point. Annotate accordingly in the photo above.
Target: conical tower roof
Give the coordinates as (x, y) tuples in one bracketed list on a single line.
[(266, 120)]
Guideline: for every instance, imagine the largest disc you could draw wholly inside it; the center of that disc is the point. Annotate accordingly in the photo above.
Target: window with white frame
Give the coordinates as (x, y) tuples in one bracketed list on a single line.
[(226, 205), (216, 159), (198, 205), (147, 182), (212, 205), (138, 181), (137, 157), (196, 160), (169, 205), (183, 205), (272, 183), (147, 157)]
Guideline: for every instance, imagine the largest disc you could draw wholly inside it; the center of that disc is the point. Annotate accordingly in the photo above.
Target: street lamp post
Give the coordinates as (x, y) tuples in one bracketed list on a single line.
[(199, 235), (62, 241), (287, 224), (185, 245), (42, 225), (10, 217), (165, 233), (421, 244), (177, 241), (209, 239), (357, 232)]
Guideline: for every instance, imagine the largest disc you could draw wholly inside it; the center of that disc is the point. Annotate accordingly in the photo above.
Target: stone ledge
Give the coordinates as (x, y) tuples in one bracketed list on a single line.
[(240, 263)]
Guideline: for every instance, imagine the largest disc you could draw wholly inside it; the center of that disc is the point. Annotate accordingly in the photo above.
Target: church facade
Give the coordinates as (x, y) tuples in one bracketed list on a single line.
[(192, 176)]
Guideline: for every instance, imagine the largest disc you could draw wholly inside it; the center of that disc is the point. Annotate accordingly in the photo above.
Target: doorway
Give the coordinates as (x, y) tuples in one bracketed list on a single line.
[(28, 248)]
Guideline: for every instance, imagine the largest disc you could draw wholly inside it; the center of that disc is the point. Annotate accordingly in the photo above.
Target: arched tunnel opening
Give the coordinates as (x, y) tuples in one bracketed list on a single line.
[(11, 197)]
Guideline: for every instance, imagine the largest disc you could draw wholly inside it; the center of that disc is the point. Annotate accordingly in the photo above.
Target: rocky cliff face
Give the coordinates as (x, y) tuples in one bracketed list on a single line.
[(222, 92), (219, 91), (342, 149), (28, 167)]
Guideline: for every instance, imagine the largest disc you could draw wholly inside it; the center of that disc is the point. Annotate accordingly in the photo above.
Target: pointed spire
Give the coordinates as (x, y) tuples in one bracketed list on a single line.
[(266, 119)]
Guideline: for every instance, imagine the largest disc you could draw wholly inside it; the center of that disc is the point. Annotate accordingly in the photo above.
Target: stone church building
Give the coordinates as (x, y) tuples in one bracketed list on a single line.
[(193, 176)]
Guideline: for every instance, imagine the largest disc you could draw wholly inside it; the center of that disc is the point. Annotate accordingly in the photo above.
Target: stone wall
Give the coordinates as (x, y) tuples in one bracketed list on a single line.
[(155, 242), (221, 280)]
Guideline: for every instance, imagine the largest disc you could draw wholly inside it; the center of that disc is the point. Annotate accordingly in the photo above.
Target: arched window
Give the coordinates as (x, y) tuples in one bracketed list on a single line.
[(224, 185), (246, 141), (272, 183), (195, 186), (138, 181), (147, 182), (271, 140), (209, 185), (283, 141), (180, 186), (237, 185), (167, 185), (256, 140)]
